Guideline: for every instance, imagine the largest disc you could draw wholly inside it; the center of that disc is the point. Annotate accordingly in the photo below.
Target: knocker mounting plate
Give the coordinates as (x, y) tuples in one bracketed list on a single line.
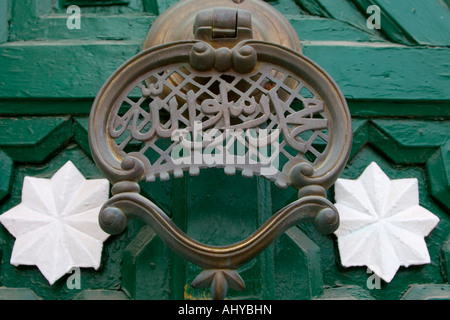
[(256, 108)]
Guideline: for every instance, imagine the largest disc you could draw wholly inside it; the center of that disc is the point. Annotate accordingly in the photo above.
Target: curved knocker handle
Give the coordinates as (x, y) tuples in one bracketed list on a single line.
[(219, 263), (295, 96)]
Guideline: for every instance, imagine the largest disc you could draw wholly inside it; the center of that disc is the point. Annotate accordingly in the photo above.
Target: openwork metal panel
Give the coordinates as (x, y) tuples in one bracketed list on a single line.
[(169, 101), (176, 118)]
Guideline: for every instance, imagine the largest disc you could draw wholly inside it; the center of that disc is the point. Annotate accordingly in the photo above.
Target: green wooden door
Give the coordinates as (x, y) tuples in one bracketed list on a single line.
[(395, 79)]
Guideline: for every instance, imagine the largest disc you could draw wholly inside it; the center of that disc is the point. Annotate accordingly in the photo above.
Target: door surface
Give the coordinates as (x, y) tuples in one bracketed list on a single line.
[(396, 82)]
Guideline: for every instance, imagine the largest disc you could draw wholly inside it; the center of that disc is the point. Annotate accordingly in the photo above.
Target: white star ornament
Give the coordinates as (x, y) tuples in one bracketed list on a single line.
[(56, 224), (382, 224)]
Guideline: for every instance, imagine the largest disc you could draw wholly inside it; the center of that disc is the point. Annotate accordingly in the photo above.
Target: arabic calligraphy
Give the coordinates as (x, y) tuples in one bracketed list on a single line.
[(219, 113)]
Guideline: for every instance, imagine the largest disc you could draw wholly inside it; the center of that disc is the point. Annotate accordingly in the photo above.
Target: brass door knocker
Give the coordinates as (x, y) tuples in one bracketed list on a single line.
[(226, 83)]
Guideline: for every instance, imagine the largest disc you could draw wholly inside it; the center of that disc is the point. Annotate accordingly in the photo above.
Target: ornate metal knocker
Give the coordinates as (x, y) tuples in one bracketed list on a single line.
[(228, 89)]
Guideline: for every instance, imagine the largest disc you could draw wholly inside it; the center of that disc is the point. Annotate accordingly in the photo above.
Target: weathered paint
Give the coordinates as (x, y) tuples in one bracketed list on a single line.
[(414, 21), (363, 72), (385, 72), (4, 21), (341, 10), (42, 20), (74, 69)]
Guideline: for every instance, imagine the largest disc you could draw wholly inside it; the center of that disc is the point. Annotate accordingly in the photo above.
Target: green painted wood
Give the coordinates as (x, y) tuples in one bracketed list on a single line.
[(96, 28), (4, 21), (360, 135), (298, 271), (145, 270), (358, 63), (80, 133), (161, 193), (386, 144), (6, 168), (47, 20), (411, 141), (447, 2), (399, 99), (416, 21), (179, 217), (384, 72), (445, 260), (346, 293), (23, 137), (18, 294), (313, 7), (138, 272), (28, 131), (163, 5), (126, 27), (67, 3), (95, 6), (427, 292), (389, 27), (72, 70), (210, 207), (151, 6), (313, 28), (21, 18), (39, 107), (287, 7), (104, 295), (358, 108), (429, 147), (362, 71), (341, 10), (413, 109), (265, 211), (438, 169)]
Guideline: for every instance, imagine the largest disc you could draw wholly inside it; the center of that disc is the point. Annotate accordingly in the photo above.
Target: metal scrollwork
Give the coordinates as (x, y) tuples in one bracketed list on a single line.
[(263, 97)]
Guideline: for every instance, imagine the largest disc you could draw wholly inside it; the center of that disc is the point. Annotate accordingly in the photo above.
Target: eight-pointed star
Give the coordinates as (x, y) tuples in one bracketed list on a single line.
[(55, 225), (382, 224)]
